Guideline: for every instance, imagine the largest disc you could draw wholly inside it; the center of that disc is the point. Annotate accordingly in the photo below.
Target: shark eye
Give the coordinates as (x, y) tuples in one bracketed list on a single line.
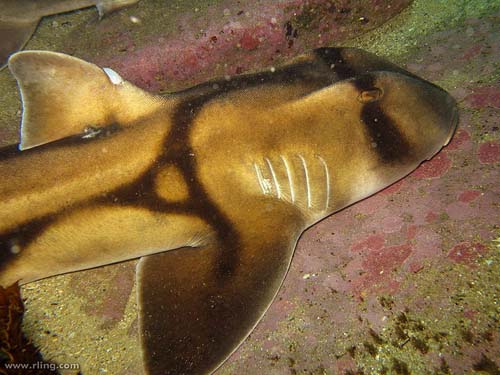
[(370, 95)]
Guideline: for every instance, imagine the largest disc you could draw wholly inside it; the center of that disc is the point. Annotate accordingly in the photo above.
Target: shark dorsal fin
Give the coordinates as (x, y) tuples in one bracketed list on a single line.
[(63, 96)]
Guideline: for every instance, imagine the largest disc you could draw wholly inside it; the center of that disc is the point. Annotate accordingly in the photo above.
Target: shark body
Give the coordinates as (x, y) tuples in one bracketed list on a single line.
[(211, 186)]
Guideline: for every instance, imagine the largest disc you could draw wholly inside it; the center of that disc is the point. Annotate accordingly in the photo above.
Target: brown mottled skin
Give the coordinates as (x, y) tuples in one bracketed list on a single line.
[(226, 175)]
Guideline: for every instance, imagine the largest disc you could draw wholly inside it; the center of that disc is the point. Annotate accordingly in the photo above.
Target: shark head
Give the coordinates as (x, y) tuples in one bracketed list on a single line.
[(368, 132), (405, 121)]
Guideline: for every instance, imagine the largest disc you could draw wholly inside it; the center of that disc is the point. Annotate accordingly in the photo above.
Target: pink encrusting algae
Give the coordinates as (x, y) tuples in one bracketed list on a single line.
[(238, 38)]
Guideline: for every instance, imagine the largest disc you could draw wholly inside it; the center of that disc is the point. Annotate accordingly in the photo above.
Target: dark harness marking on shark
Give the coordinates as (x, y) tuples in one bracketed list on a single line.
[(22, 235), (178, 152), (388, 141), (12, 242)]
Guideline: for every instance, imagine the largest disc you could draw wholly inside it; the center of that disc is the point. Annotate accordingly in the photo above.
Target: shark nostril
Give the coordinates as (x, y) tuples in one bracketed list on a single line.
[(371, 95)]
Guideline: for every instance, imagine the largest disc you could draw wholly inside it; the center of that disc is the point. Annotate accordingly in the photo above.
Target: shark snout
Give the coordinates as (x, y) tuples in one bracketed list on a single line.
[(446, 111), (425, 116)]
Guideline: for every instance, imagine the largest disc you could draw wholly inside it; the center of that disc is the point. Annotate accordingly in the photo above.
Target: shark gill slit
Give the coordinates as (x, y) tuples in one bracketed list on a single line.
[(260, 178), (306, 178), (275, 179), (289, 177), (327, 181)]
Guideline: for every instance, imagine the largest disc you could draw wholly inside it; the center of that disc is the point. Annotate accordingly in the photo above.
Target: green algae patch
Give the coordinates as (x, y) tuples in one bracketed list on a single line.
[(59, 321), (406, 32), (454, 310)]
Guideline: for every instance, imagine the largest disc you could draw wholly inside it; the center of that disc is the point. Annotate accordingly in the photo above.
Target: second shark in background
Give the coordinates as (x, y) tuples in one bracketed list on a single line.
[(19, 18)]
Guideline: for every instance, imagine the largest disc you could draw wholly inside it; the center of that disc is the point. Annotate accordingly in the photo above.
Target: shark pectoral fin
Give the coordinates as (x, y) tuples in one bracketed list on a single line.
[(64, 96), (14, 35), (198, 304)]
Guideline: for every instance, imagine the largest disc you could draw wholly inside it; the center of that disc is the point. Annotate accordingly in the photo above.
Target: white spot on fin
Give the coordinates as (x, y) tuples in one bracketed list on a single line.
[(113, 76)]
